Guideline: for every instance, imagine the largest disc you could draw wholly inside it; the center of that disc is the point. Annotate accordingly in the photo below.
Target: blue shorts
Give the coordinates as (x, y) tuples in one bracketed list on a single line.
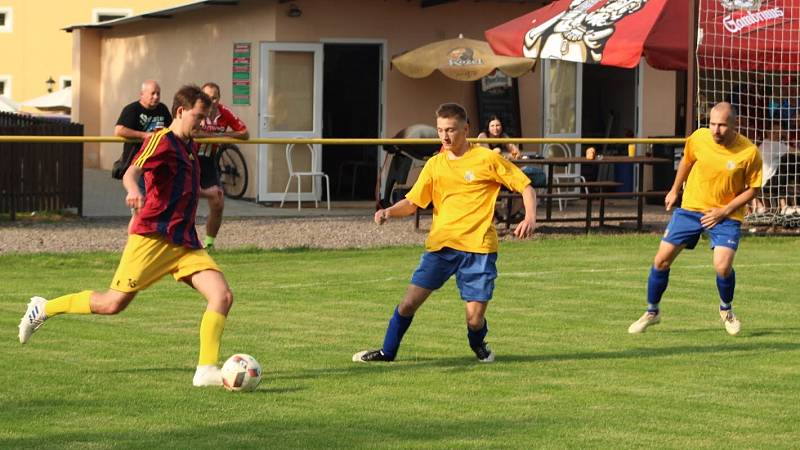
[(475, 272), (685, 228)]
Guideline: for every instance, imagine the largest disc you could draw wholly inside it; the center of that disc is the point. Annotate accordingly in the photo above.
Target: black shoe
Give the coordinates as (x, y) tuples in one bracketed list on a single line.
[(371, 356), (484, 353)]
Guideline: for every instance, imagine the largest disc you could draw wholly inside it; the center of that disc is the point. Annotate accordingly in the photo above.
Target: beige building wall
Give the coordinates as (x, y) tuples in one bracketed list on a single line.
[(37, 48), (196, 46), (406, 26)]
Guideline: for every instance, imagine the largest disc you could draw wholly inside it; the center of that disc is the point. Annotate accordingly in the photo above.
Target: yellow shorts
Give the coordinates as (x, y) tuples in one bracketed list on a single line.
[(148, 258)]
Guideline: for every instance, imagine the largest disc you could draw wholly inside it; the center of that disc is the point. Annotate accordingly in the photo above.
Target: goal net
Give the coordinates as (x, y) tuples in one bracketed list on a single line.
[(748, 54)]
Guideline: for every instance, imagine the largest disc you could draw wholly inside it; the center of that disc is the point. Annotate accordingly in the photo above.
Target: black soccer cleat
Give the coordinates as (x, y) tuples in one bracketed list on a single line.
[(371, 356), (483, 353)]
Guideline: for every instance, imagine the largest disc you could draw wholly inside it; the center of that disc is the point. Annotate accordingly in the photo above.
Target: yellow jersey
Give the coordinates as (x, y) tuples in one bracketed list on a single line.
[(464, 192), (719, 173)]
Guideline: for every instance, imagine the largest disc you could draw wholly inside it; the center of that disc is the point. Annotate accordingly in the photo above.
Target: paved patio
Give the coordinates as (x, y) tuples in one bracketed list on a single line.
[(104, 196)]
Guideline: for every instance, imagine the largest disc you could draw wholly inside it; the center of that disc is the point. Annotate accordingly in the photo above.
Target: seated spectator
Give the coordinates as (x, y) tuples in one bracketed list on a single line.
[(494, 130)]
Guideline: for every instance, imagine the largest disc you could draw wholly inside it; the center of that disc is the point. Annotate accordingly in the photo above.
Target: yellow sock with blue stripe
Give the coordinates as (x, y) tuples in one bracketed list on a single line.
[(77, 303), (211, 328)]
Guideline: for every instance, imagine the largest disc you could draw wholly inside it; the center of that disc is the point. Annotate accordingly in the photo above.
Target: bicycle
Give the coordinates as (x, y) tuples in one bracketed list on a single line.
[(232, 170)]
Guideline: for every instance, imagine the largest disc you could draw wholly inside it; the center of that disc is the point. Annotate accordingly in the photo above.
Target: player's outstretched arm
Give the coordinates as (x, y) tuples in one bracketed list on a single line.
[(400, 209), (525, 228)]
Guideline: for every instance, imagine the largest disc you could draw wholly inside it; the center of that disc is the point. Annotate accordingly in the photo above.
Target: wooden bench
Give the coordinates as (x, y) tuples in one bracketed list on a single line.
[(549, 195)]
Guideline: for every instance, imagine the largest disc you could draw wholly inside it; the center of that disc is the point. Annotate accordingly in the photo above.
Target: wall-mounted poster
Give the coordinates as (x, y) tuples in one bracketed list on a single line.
[(241, 73)]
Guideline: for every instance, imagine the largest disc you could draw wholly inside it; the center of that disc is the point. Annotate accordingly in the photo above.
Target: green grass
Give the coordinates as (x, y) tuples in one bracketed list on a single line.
[(567, 373)]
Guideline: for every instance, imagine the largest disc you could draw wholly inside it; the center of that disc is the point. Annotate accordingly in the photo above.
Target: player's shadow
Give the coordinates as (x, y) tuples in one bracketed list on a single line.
[(265, 387), (468, 362)]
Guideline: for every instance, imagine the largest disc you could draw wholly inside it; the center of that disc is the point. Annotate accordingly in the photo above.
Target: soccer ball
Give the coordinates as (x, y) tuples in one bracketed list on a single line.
[(241, 373)]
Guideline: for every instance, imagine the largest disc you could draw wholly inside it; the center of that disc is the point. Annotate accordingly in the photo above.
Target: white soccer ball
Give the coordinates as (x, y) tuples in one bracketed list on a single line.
[(241, 373)]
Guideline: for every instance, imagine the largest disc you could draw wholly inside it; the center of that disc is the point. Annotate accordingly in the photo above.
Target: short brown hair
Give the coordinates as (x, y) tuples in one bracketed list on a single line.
[(452, 111), (187, 96), (211, 84)]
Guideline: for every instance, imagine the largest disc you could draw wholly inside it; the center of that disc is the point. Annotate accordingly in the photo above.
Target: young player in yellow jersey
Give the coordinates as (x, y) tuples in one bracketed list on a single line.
[(722, 170), (462, 181)]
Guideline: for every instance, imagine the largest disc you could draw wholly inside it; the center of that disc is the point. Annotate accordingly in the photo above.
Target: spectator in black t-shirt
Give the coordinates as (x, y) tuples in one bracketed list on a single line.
[(139, 120)]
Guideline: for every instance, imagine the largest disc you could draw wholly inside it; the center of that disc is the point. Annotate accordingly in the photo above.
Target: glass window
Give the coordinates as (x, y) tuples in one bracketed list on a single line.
[(291, 101), (6, 19), (5, 85), (563, 77), (105, 14)]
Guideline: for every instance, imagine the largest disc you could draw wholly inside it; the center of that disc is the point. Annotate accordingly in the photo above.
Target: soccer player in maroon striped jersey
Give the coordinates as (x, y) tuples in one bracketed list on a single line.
[(162, 238)]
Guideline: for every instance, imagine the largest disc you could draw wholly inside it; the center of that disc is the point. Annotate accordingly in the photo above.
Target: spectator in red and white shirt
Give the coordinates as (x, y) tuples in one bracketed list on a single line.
[(219, 120)]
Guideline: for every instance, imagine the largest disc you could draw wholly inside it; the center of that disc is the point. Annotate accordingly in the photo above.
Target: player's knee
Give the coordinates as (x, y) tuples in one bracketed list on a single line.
[(217, 201), (223, 302), (661, 264), (407, 308), (475, 322), (723, 270)]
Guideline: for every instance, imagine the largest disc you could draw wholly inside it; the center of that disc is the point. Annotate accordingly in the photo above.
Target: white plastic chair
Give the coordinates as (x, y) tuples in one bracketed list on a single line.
[(569, 175), (292, 174)]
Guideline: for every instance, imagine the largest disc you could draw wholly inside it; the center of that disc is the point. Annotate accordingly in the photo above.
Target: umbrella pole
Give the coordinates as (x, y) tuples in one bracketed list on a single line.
[(691, 70)]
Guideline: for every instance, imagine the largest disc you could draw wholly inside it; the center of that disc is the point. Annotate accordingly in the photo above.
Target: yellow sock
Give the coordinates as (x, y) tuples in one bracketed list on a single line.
[(211, 328), (77, 303)]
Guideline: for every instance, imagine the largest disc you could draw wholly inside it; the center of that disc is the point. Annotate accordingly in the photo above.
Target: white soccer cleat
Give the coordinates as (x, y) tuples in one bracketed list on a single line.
[(33, 319), (207, 376), (647, 319), (732, 325)]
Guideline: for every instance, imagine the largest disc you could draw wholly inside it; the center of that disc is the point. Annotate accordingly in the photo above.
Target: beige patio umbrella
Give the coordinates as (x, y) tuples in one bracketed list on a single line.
[(460, 59)]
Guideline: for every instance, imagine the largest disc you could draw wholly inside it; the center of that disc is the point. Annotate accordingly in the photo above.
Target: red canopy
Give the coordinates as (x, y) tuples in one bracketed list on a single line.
[(752, 35), (609, 32)]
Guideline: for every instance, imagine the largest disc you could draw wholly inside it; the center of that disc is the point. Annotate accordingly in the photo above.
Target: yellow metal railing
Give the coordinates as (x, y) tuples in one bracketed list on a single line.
[(95, 139)]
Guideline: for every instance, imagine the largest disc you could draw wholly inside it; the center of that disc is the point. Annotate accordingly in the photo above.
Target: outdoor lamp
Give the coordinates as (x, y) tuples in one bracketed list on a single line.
[(50, 83), (294, 11)]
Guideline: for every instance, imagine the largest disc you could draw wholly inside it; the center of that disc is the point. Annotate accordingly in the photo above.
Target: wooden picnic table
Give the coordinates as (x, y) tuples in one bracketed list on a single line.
[(638, 192), (596, 187)]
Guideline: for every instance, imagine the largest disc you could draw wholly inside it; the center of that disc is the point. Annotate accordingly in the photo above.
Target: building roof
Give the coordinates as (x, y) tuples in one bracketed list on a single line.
[(166, 13)]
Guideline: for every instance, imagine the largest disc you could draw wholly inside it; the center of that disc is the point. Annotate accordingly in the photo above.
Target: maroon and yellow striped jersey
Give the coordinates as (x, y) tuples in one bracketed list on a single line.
[(172, 187)]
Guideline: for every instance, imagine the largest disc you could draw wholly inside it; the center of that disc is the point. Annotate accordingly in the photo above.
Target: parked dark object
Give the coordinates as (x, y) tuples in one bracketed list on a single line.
[(40, 176), (400, 159)]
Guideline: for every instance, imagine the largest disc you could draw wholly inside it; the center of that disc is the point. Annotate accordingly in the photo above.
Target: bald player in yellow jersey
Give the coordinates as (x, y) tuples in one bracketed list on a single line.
[(462, 182), (722, 171)]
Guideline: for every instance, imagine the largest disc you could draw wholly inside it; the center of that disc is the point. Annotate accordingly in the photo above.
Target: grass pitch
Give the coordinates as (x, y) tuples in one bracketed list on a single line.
[(567, 373)]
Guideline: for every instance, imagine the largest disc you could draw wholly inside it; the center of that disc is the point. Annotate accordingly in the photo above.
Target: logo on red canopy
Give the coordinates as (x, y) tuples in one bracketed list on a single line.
[(746, 15)]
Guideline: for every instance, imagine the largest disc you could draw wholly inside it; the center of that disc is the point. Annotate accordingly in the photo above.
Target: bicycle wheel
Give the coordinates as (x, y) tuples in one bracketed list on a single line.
[(232, 171)]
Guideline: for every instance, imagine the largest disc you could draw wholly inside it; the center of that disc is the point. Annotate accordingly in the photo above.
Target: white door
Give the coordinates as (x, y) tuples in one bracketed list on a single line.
[(290, 106), (562, 108)]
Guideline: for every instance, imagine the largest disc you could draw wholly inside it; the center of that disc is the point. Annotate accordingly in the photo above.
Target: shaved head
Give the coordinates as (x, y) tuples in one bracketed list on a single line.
[(722, 123), (726, 110)]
